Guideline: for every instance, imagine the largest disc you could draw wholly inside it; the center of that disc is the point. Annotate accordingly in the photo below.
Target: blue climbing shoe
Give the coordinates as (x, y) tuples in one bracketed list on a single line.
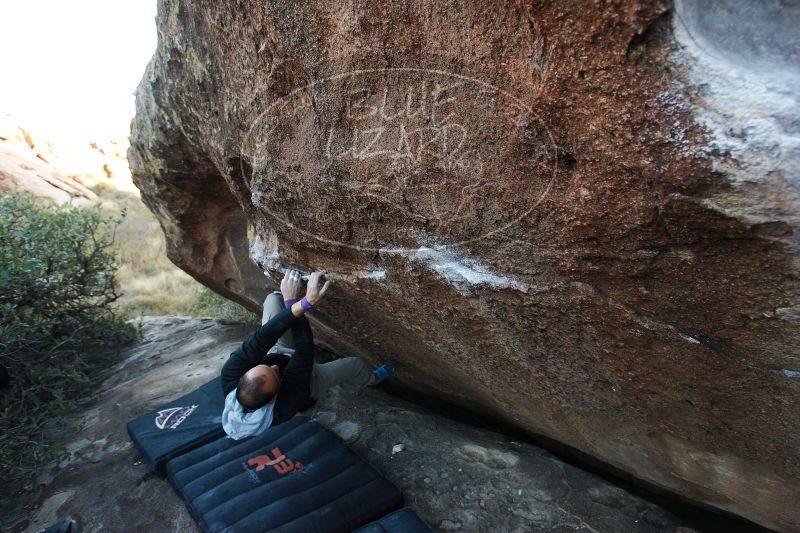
[(384, 371)]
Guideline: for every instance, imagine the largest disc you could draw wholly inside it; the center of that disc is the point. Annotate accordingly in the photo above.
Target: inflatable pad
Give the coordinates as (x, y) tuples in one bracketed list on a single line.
[(298, 476), (402, 521), (179, 426)]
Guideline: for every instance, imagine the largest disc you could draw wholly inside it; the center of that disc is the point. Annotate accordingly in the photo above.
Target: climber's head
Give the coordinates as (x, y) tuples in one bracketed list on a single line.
[(258, 386)]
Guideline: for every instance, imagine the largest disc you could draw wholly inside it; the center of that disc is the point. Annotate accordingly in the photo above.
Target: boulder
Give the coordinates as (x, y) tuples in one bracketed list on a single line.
[(25, 166), (19, 172), (59, 168), (579, 219)]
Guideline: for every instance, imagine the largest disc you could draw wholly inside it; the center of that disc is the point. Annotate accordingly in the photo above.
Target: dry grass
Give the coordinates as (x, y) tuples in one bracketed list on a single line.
[(149, 282)]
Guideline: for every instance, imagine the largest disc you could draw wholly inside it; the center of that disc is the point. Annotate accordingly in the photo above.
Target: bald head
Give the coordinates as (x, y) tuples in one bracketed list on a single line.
[(258, 386)]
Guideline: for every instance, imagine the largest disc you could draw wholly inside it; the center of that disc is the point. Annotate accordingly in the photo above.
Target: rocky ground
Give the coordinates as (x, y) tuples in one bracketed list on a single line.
[(456, 476)]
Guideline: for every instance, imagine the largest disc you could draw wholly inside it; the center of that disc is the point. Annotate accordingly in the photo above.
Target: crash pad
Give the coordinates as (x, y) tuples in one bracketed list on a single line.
[(402, 521), (297, 476), (179, 426)]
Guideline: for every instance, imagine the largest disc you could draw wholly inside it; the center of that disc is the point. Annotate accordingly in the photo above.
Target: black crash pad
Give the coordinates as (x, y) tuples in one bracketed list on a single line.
[(179, 426), (402, 521), (62, 527), (298, 476)]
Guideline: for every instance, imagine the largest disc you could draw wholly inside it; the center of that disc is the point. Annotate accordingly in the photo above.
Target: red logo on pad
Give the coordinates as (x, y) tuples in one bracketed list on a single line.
[(281, 463)]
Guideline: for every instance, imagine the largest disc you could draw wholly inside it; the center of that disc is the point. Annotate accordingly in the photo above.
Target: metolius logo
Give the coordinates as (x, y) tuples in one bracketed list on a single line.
[(172, 417)]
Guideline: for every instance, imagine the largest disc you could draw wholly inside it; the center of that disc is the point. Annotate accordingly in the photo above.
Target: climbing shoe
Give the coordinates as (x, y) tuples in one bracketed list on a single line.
[(384, 371)]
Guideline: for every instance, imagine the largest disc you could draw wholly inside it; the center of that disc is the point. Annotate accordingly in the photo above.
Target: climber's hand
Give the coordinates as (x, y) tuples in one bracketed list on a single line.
[(292, 285), (316, 290)]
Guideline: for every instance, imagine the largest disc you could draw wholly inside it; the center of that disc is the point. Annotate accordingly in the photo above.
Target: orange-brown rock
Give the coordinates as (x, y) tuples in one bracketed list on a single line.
[(578, 218), (56, 167), (24, 169), (19, 172)]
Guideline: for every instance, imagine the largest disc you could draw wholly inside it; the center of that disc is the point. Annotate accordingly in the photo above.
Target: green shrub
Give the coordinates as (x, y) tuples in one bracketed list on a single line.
[(209, 303), (57, 326)]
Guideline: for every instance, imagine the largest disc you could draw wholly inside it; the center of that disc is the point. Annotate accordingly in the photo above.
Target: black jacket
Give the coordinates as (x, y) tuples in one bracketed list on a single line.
[(295, 388)]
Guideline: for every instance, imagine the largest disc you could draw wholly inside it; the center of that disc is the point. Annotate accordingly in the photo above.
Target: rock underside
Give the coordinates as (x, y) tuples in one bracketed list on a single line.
[(576, 218), (455, 476)]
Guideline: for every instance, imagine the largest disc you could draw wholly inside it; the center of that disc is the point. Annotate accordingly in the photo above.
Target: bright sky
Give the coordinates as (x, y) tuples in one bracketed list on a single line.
[(69, 68)]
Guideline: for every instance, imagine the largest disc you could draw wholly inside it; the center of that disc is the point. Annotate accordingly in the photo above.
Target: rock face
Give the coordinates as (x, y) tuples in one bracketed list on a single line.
[(22, 168), (19, 173), (579, 219), (60, 169), (455, 476)]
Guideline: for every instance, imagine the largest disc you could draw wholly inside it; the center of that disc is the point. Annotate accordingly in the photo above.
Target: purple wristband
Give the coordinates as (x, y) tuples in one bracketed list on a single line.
[(306, 304), (290, 302)]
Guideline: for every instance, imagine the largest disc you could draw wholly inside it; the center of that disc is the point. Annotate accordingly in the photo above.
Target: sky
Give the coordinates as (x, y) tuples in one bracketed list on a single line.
[(69, 69)]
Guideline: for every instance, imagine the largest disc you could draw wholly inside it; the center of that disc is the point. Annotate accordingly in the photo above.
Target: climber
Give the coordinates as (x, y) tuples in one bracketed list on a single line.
[(272, 375)]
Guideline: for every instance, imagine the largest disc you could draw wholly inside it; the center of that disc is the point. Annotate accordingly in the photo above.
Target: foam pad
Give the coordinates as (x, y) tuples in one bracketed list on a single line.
[(61, 527), (179, 426), (402, 521), (298, 476)]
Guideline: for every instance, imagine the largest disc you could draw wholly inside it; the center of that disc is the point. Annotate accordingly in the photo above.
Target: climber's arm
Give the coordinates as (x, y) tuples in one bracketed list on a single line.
[(252, 350), (296, 383), (256, 346)]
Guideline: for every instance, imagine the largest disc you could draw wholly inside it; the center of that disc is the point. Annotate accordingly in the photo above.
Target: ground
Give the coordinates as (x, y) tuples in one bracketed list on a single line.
[(456, 476)]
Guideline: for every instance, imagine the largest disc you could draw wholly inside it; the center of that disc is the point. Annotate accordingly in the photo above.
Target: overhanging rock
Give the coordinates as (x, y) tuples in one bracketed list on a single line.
[(579, 220)]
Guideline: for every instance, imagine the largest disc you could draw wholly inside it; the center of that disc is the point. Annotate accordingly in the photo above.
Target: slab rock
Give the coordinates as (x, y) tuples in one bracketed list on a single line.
[(23, 167), (577, 218)]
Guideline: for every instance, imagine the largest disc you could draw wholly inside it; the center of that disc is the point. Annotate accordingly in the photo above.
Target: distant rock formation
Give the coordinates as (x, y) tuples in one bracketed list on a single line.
[(578, 218), (58, 169), (22, 170), (19, 173)]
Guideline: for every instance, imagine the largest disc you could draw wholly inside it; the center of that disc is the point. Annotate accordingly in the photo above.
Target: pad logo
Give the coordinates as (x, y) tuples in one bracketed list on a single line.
[(281, 463), (172, 417)]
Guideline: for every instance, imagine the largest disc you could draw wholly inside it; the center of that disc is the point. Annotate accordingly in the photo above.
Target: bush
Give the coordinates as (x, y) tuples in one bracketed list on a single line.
[(57, 326), (209, 303)]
